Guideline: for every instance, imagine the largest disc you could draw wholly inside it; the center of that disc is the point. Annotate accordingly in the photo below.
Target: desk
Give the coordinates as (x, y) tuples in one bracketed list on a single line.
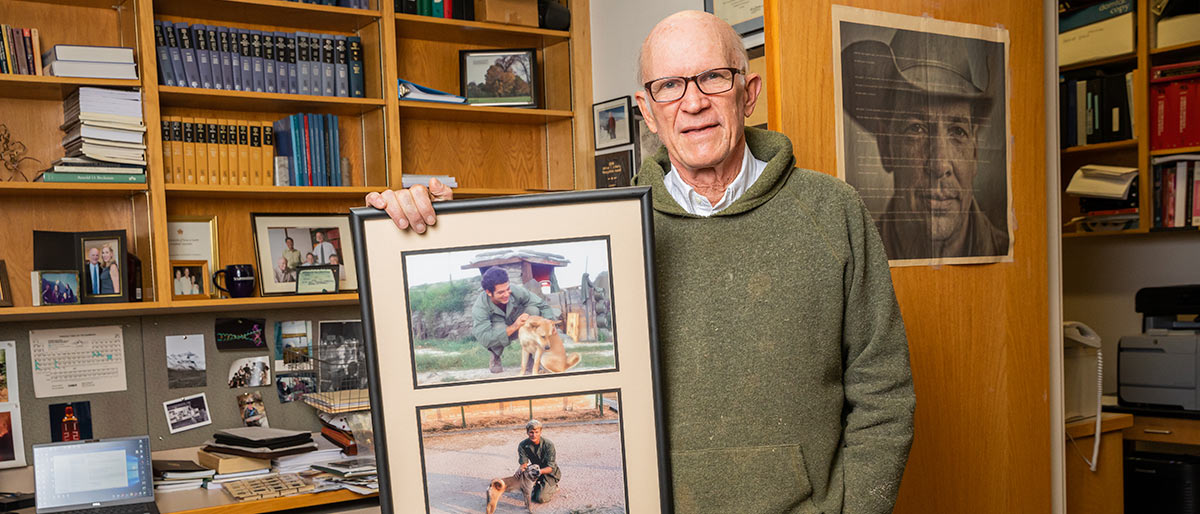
[(1101, 492)]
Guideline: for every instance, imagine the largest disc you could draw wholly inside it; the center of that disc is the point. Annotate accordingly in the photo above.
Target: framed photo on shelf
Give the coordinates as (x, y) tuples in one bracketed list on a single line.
[(611, 120), (587, 273), (103, 266), (746, 16), (499, 77), (191, 238), (297, 241), (189, 280), (6, 299), (60, 287), (645, 142), (614, 169)]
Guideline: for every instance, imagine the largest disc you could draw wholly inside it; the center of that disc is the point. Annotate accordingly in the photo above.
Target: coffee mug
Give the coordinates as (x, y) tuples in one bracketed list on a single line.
[(239, 278)]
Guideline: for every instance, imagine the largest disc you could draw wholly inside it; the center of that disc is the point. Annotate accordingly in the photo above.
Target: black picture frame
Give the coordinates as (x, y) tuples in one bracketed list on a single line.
[(607, 130), (471, 65), (6, 299), (623, 218)]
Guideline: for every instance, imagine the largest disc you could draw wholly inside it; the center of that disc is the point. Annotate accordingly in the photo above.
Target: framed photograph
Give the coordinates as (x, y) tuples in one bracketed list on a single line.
[(318, 279), (193, 238), (285, 243), (437, 306), (645, 142), (614, 169), (187, 413), (12, 442), (746, 16), (611, 123), (190, 280), (55, 287), (6, 299), (499, 77), (103, 266)]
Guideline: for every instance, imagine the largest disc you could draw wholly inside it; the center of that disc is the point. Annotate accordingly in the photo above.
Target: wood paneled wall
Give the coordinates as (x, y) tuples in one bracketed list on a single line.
[(977, 334)]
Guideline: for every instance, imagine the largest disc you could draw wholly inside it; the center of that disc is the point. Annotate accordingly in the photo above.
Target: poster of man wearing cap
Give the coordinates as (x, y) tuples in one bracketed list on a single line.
[(923, 133)]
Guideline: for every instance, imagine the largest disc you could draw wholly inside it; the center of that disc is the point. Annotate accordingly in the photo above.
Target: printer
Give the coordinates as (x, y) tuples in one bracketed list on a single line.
[(1160, 368)]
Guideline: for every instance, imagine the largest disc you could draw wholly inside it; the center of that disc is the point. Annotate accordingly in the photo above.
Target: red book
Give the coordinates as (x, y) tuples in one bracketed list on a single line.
[(447, 11), (1188, 93), (307, 150), (1164, 117), (1168, 199)]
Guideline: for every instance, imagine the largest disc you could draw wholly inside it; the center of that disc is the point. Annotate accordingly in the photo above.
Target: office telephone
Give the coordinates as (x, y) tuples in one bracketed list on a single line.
[(1078, 342)]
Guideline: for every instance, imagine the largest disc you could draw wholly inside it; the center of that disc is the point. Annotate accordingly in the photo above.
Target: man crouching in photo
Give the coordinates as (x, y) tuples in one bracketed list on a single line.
[(540, 451)]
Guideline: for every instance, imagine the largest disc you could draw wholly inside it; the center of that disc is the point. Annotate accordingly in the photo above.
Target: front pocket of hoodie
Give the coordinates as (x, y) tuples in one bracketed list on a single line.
[(743, 480)]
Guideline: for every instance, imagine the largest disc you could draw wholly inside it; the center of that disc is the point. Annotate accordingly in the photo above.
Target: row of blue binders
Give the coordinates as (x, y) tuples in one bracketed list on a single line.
[(212, 57), (307, 151)]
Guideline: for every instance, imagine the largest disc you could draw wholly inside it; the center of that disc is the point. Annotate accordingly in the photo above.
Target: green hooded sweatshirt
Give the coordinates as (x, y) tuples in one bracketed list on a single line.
[(784, 361)]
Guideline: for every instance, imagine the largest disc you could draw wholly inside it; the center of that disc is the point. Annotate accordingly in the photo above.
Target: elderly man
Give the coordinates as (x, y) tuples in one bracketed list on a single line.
[(928, 141), (500, 311), (790, 390)]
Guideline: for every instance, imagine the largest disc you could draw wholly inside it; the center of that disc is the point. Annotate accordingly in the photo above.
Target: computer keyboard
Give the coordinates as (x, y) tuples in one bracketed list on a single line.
[(135, 508)]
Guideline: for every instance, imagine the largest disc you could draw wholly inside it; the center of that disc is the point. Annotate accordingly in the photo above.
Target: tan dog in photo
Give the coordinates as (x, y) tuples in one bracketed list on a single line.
[(539, 337), (521, 480)]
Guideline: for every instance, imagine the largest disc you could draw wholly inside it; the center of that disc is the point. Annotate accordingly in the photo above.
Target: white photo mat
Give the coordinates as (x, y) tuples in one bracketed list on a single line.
[(10, 407)]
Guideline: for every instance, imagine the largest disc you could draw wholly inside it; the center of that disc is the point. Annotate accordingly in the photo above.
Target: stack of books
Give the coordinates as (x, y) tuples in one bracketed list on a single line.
[(304, 461), (230, 467), (103, 139), (308, 151), (179, 475), (1094, 107), (260, 442), (1176, 191), (1174, 113), (411, 179), (97, 62), (209, 151), (353, 4), (20, 51), (298, 63), (1108, 197)]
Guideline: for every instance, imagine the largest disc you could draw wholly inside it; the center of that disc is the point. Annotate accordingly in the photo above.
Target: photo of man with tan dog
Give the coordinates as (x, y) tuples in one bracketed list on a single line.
[(529, 309), (468, 455)]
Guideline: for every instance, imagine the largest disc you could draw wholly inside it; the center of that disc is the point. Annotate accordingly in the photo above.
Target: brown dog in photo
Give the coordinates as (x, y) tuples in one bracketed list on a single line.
[(539, 337), (521, 480)]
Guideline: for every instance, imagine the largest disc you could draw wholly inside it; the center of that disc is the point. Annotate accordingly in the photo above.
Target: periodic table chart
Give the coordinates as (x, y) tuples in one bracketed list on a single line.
[(82, 360)]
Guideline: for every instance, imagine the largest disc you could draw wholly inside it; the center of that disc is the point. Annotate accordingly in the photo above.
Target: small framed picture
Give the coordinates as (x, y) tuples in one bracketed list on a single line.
[(645, 142), (287, 243), (611, 123), (319, 279), (187, 413), (103, 266), (190, 280), (614, 169), (499, 77), (6, 299), (192, 238), (55, 287)]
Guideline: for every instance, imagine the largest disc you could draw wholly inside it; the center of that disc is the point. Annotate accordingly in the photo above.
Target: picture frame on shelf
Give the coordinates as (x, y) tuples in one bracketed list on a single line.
[(315, 239), (102, 271), (6, 298), (645, 142), (614, 169), (611, 122), (191, 238), (189, 280), (504, 77), (55, 287), (396, 328)]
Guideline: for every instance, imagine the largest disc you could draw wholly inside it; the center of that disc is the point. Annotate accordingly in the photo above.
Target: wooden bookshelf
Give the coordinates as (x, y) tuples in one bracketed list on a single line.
[(1107, 61), (1173, 151), (1192, 47), (1102, 147), (491, 150)]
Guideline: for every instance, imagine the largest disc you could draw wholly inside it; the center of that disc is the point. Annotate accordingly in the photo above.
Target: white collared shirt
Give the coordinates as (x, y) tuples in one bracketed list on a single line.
[(696, 203)]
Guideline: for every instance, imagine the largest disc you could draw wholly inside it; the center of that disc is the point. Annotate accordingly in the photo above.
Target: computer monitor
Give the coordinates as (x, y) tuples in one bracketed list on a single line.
[(100, 472)]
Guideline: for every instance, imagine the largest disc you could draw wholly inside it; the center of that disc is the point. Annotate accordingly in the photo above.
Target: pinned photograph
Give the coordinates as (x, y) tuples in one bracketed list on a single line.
[(558, 296), (55, 287), (287, 243), (71, 421), (563, 454), (923, 133), (12, 445), (241, 334), (185, 361), (250, 372), (254, 413), (341, 356), (499, 77), (187, 413), (293, 346), (293, 386), (9, 392)]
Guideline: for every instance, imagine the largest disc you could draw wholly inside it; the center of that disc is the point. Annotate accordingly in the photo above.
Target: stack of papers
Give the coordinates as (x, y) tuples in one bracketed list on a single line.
[(408, 180), (179, 475), (261, 442), (105, 125), (1099, 181), (349, 468), (303, 461)]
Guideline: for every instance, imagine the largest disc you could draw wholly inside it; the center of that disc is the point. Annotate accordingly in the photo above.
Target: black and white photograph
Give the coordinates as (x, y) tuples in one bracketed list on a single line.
[(185, 361), (923, 133), (250, 372), (187, 413), (293, 345), (102, 268), (499, 77), (288, 243), (558, 454), (341, 356), (611, 120), (56, 287), (558, 295)]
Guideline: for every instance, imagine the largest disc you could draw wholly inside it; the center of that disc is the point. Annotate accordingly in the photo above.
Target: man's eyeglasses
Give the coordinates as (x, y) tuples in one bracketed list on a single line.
[(711, 82)]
